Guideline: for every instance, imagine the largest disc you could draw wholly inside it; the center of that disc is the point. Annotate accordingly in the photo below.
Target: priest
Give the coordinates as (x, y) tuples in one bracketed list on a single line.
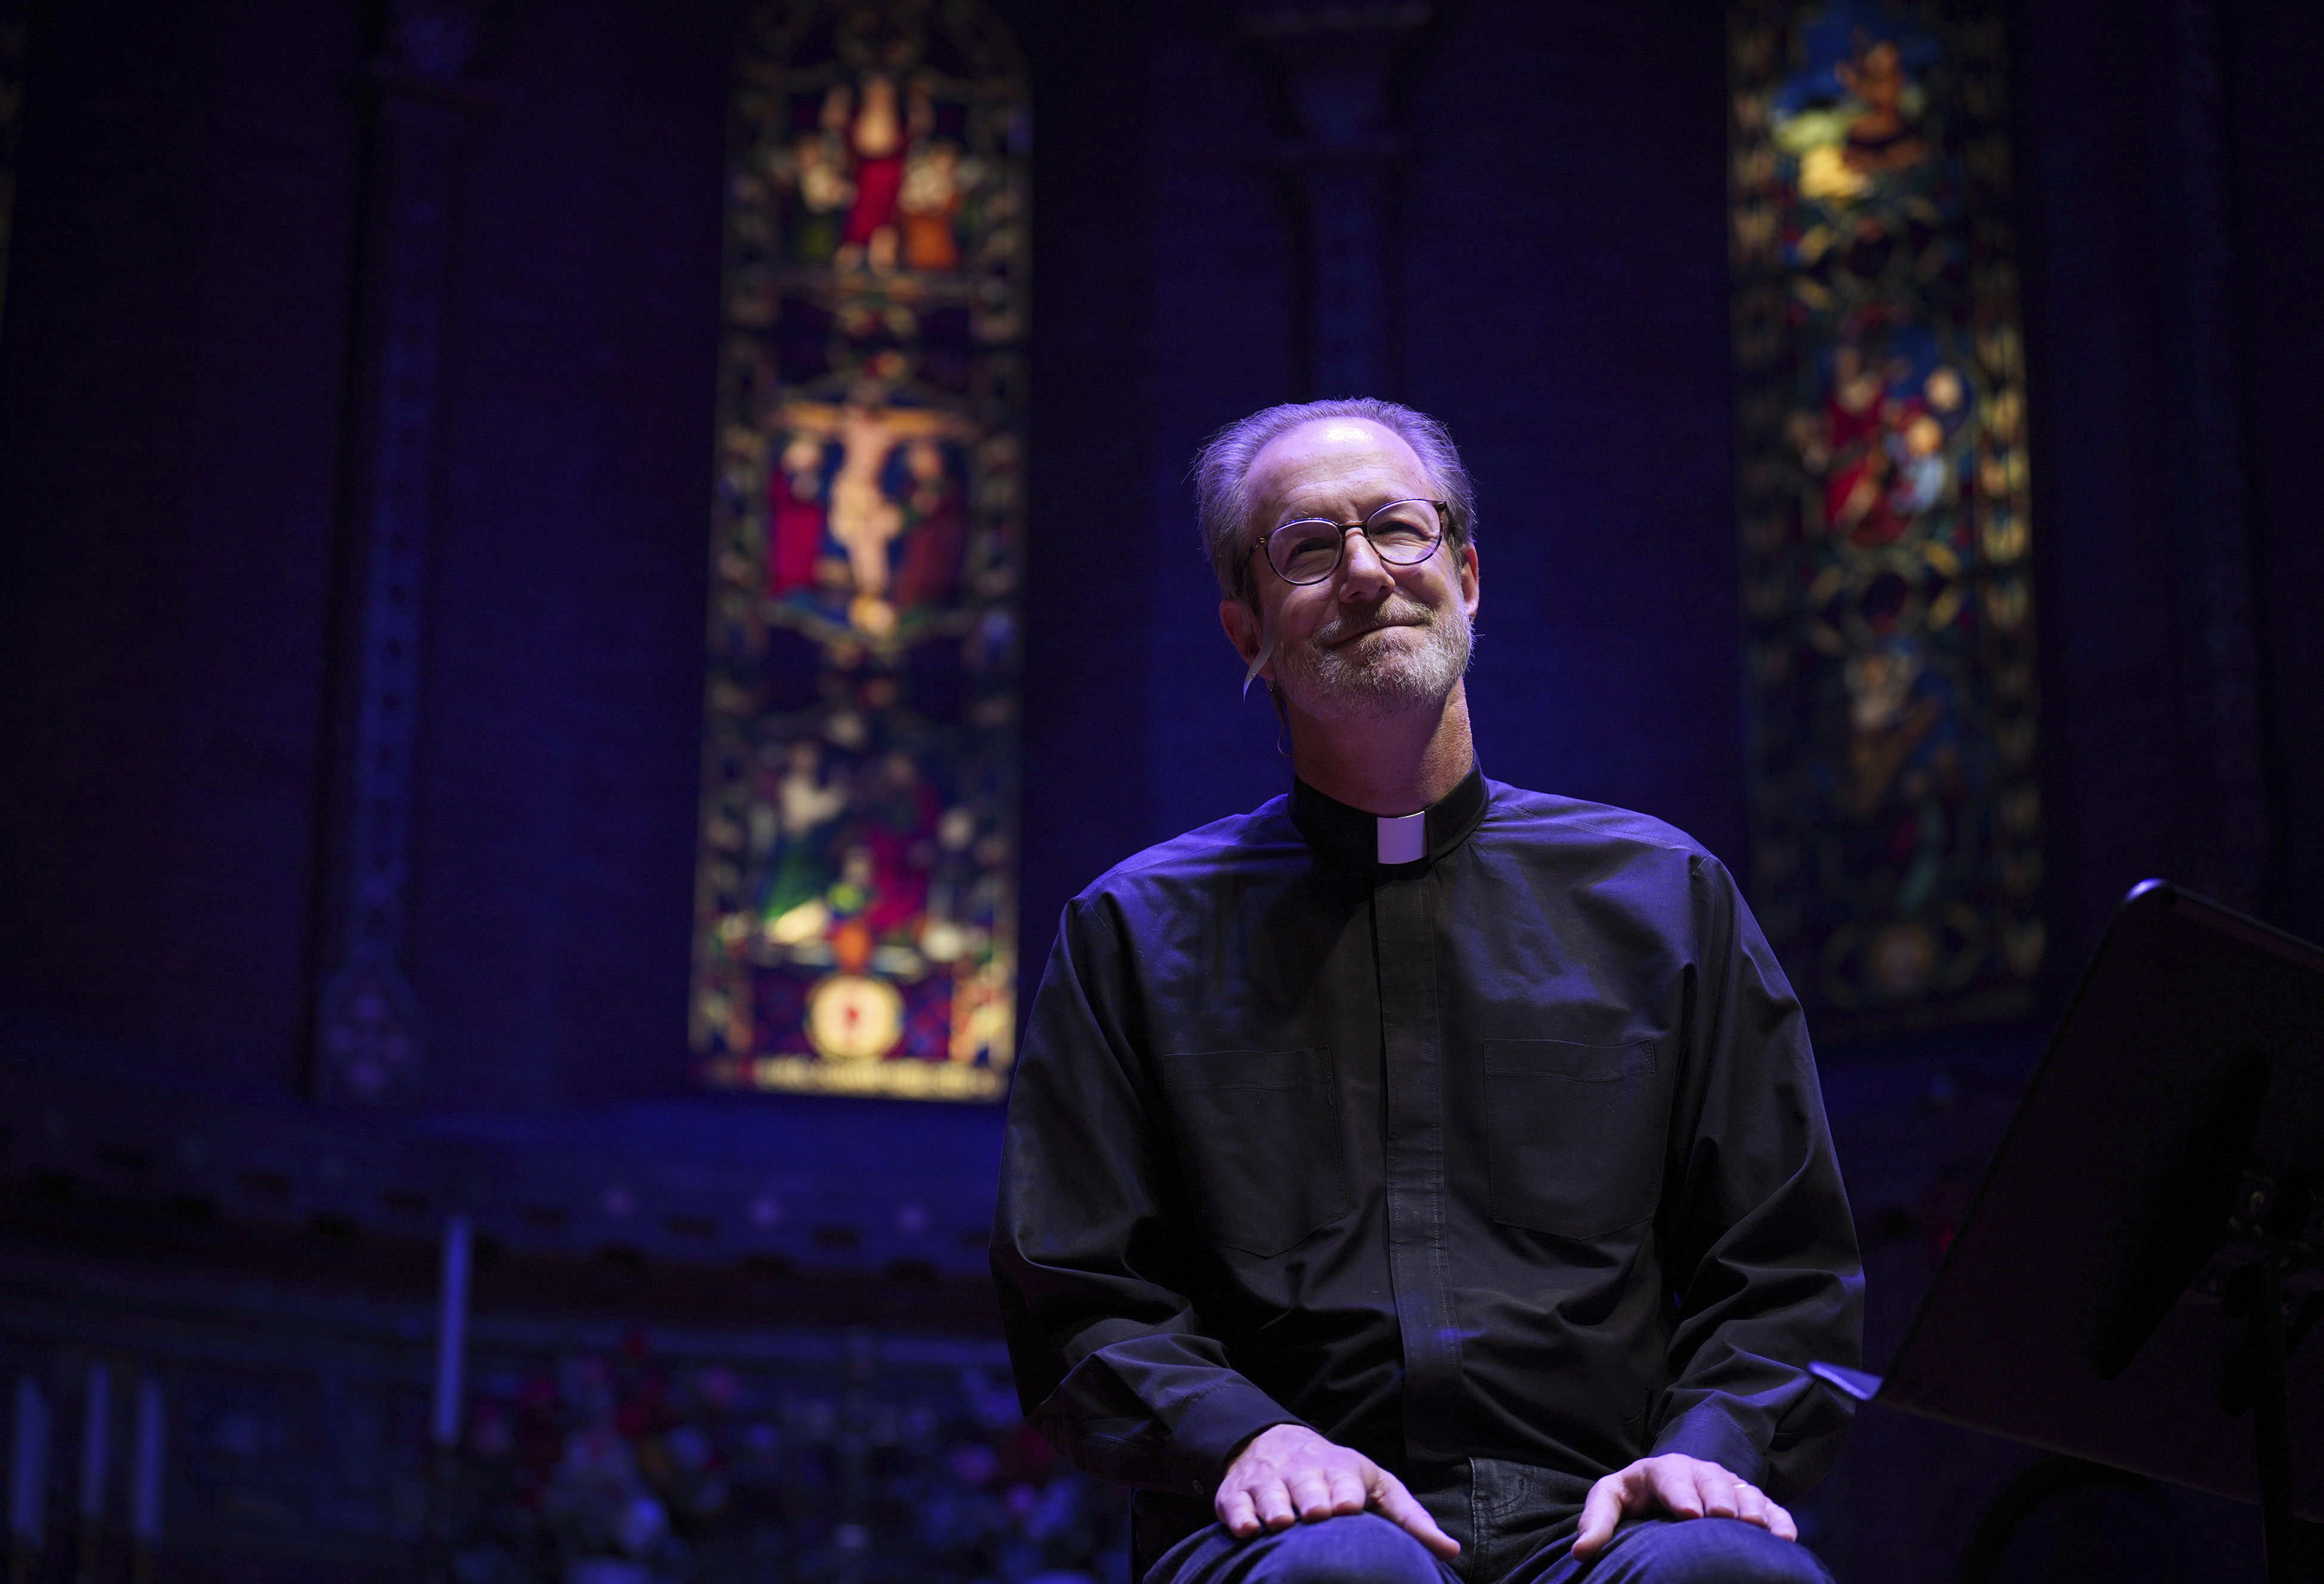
[(1418, 1178)]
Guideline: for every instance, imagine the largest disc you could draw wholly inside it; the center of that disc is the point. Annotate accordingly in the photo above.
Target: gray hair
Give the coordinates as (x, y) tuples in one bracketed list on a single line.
[(1221, 472)]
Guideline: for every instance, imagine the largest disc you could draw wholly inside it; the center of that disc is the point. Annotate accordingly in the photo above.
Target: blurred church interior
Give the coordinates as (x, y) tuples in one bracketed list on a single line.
[(582, 581)]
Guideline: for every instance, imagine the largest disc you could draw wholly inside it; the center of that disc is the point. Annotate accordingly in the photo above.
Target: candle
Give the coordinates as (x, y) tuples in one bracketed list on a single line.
[(451, 1332), (96, 1421), (145, 1486), (28, 1470)]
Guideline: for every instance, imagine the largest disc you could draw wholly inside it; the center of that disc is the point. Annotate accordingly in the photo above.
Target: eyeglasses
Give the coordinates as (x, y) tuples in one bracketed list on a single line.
[(1403, 533)]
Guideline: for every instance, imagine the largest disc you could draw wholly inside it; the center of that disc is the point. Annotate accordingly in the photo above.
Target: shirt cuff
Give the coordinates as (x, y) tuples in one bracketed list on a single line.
[(1220, 1419), (1703, 1431)]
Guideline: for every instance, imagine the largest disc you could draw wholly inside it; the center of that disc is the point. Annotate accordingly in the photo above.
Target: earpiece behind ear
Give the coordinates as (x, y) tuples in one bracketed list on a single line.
[(1259, 662)]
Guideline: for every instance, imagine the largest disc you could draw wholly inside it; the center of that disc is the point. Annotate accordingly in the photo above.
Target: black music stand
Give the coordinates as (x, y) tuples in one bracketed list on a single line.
[(2143, 1260)]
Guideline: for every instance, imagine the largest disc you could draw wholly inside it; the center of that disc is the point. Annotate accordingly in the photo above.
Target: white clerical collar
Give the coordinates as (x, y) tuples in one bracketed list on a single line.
[(1402, 838)]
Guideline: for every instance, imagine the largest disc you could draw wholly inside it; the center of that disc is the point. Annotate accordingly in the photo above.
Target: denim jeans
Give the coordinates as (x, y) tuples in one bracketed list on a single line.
[(1364, 1548)]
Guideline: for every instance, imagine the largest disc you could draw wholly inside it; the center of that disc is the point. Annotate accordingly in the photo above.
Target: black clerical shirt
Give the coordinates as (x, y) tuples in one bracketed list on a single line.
[(1510, 1155)]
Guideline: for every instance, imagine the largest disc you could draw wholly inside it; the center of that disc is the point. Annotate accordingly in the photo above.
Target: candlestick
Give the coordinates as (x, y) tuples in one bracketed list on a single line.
[(145, 1486), (96, 1425), (451, 1332), (28, 1470)]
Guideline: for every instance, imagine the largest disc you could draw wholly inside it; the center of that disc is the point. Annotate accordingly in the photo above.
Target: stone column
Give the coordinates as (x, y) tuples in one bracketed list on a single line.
[(1338, 62), (2224, 845), (367, 1022)]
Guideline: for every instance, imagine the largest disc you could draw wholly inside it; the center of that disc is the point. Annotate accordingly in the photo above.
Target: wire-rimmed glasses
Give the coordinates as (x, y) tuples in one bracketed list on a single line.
[(1403, 533)]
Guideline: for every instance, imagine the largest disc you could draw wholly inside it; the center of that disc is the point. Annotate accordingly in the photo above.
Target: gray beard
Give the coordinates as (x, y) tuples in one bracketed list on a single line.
[(1335, 684)]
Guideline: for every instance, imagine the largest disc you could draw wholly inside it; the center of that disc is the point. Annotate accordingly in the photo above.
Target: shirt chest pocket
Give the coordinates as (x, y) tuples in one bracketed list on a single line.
[(1575, 1134), (1258, 1136)]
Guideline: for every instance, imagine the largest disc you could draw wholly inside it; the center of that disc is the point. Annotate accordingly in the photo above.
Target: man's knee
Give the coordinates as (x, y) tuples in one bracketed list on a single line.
[(1355, 1548), (1715, 1551)]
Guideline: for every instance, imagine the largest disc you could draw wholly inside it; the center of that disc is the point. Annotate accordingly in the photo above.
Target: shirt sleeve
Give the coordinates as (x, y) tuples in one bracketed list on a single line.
[(1113, 1364), (1758, 1241)]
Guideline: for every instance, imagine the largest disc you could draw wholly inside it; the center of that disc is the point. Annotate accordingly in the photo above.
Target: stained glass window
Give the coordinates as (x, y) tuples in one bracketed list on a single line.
[(855, 912), (1897, 848)]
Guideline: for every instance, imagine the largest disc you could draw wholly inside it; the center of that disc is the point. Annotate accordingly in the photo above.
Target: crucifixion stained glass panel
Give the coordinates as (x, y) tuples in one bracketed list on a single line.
[(855, 926)]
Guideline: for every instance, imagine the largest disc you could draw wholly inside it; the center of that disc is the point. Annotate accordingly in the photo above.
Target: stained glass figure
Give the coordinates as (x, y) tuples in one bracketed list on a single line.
[(1896, 845), (855, 910)]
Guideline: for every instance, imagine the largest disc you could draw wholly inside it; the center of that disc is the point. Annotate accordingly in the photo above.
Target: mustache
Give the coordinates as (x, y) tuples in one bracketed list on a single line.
[(1396, 610)]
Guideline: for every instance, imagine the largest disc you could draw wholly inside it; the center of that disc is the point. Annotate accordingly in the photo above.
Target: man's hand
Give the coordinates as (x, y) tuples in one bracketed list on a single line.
[(1679, 1486), (1286, 1474)]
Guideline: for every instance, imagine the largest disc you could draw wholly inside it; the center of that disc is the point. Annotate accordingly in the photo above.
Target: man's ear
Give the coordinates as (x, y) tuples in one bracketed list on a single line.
[(1468, 586), (1241, 623)]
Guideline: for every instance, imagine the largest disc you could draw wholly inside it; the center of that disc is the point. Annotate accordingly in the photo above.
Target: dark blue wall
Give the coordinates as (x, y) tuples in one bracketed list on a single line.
[(562, 687)]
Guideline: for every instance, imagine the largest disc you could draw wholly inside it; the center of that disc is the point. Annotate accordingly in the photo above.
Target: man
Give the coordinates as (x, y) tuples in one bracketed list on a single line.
[(1417, 1174)]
